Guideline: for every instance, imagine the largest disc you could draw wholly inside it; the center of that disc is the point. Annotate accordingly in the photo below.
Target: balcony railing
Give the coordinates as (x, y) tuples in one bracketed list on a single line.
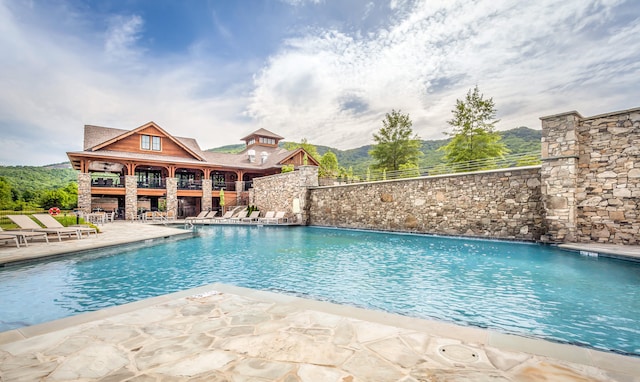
[(153, 183), (190, 185), (107, 182)]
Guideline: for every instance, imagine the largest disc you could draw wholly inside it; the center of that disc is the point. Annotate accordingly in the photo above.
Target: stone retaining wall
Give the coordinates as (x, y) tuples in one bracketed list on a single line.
[(608, 187), (499, 204)]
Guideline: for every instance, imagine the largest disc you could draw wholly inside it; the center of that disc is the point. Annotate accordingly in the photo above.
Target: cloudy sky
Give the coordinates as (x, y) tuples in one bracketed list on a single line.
[(325, 70)]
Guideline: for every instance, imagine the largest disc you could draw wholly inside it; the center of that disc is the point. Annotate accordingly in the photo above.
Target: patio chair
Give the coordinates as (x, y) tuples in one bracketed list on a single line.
[(278, 218), (192, 219), (268, 216), (252, 217), (23, 235), (224, 218), (6, 238), (50, 222), (238, 218), (25, 222)]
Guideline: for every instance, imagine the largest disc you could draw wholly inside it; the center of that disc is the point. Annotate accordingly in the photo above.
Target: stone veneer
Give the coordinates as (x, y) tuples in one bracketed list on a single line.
[(502, 204), (131, 197), (172, 195), (278, 192), (207, 201), (84, 192), (608, 187)]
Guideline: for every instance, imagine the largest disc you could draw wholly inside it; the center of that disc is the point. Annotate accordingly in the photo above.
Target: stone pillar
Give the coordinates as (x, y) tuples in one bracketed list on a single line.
[(131, 197), (84, 192), (207, 186), (239, 186), (172, 195), (560, 151), (308, 177)]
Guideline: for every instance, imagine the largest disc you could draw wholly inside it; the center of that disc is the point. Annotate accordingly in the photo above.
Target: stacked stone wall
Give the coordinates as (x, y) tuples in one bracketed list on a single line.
[(499, 204), (608, 188), (278, 192)]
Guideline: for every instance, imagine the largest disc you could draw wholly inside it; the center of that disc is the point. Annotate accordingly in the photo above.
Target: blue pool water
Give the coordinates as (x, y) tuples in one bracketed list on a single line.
[(524, 289)]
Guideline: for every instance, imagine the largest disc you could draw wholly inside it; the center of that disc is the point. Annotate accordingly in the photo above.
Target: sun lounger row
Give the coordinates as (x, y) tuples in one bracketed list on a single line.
[(271, 217), (29, 229)]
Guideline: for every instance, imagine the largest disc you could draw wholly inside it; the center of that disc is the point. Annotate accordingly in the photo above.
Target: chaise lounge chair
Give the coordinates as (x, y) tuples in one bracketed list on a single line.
[(25, 222), (201, 215), (6, 238), (253, 217), (50, 222), (224, 218), (238, 218), (278, 218), (268, 216), (23, 235)]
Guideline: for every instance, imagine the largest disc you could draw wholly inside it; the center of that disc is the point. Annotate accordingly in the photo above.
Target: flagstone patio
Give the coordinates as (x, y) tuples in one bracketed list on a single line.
[(225, 333)]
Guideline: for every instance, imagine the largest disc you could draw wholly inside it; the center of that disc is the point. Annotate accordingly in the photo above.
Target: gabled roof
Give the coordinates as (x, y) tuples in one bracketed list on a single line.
[(295, 152), (97, 138), (262, 133)]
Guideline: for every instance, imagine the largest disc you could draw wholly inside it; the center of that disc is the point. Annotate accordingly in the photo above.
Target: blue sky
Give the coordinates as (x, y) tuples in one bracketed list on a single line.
[(324, 70)]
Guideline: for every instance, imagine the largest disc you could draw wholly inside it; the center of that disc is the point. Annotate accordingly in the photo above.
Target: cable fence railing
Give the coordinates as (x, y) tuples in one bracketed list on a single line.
[(507, 161)]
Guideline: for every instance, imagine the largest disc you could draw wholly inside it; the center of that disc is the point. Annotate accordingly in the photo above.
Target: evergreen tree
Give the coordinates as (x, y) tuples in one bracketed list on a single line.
[(328, 165), (473, 136), (396, 144)]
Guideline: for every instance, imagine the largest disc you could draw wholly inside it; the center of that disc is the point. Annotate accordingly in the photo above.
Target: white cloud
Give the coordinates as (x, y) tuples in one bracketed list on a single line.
[(533, 58), (121, 37)]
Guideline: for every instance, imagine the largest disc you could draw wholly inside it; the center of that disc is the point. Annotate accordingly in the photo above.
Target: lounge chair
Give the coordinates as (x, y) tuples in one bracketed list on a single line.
[(25, 222), (268, 216), (23, 235), (50, 222), (238, 218), (6, 238), (192, 219), (252, 217), (278, 218), (224, 218)]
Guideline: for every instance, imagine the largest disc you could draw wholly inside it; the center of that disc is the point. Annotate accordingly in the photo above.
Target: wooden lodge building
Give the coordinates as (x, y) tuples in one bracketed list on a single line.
[(130, 171)]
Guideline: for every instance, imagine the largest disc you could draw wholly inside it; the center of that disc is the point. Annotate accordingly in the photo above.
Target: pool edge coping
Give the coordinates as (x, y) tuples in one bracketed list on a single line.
[(609, 361)]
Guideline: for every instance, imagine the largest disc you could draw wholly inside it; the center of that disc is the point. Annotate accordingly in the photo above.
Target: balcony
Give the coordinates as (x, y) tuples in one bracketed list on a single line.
[(190, 185), (153, 184), (107, 182)]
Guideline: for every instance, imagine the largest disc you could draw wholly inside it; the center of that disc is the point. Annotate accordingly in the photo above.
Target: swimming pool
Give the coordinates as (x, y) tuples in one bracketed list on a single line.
[(525, 289)]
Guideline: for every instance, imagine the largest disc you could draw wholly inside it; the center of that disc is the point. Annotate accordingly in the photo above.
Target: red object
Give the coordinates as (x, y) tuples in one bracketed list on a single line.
[(53, 211)]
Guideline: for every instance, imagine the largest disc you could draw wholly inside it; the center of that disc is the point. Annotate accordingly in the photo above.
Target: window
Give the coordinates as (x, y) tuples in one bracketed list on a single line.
[(251, 141), (148, 142), (269, 141), (145, 143)]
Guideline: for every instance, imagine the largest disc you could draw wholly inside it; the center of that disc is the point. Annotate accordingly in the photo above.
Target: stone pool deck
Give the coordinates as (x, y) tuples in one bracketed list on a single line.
[(225, 333)]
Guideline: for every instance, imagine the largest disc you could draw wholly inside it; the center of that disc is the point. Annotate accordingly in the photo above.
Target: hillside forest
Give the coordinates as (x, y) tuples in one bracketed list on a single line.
[(30, 187)]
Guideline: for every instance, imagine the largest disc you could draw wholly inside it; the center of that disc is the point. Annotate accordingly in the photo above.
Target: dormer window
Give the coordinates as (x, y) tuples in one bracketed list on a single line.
[(149, 142), (268, 141), (251, 141)]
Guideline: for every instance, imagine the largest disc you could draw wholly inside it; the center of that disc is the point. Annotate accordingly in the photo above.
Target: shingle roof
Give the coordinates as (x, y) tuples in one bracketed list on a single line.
[(97, 135), (262, 133)]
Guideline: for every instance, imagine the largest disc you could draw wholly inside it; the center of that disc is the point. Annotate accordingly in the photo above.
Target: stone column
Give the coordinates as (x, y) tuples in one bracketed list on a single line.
[(131, 197), (308, 177), (560, 151), (84, 192), (172, 195), (207, 186)]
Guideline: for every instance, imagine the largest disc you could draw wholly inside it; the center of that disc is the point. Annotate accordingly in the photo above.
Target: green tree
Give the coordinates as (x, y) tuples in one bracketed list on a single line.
[(473, 136), (328, 165), (308, 147), (396, 144), (6, 195)]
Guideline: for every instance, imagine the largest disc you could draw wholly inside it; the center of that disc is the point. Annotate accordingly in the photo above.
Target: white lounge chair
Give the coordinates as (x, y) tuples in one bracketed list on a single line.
[(7, 238), (201, 215), (50, 222), (238, 218), (224, 218), (23, 235), (268, 216), (25, 222), (253, 217), (278, 218)]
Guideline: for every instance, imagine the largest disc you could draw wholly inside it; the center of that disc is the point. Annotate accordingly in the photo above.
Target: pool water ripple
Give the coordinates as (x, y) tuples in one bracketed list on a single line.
[(515, 288)]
